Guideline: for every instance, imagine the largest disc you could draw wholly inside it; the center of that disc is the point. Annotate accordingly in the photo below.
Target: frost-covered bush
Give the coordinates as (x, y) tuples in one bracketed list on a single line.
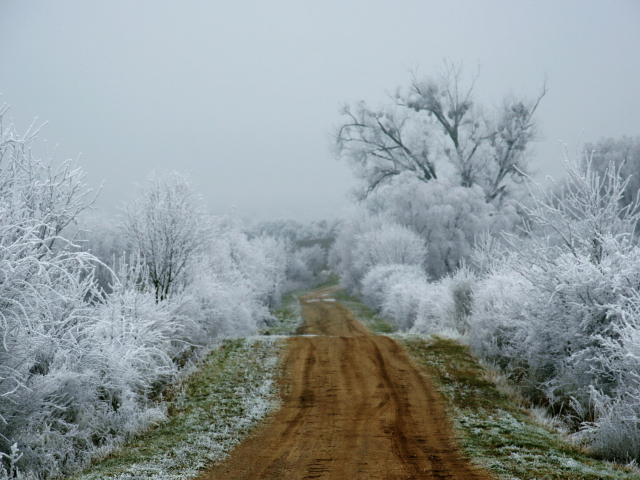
[(616, 431), (560, 311), (448, 217), (446, 304), (390, 244), (166, 225), (81, 365), (342, 258), (366, 241), (235, 282), (401, 297), (462, 284), (75, 374), (498, 320), (379, 279)]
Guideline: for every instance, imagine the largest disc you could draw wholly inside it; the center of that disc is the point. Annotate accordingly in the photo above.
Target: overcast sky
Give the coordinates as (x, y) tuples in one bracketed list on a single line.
[(244, 94)]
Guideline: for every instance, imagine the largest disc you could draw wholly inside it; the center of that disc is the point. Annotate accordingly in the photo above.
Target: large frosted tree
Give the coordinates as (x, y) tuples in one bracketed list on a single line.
[(434, 127)]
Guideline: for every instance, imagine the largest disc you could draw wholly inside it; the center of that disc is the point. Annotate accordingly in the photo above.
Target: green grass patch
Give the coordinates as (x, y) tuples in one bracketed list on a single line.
[(492, 430), (374, 322), (218, 405)]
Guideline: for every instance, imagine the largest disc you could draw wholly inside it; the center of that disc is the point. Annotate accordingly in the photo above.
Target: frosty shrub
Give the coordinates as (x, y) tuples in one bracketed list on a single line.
[(234, 282), (344, 259), (560, 313), (445, 305), (498, 324), (434, 311), (616, 433), (402, 298), (377, 282), (462, 286), (447, 217), (366, 241), (81, 366), (390, 244), (75, 375)]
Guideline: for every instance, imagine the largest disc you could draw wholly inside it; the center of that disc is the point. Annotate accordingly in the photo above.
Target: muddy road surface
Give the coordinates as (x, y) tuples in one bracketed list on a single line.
[(356, 408)]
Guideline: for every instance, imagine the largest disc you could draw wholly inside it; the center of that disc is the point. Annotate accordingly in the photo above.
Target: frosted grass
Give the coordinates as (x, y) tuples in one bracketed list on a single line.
[(218, 406)]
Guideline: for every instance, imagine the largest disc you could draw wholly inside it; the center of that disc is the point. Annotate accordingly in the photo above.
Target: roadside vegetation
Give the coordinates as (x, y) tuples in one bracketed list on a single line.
[(230, 393), (493, 426), (451, 236), (99, 319)]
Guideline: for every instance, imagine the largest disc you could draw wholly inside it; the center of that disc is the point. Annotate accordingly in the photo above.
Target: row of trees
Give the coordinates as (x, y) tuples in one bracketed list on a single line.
[(95, 324), (451, 235)]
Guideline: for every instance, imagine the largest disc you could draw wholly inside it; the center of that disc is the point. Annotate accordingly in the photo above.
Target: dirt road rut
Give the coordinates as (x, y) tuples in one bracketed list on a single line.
[(357, 408)]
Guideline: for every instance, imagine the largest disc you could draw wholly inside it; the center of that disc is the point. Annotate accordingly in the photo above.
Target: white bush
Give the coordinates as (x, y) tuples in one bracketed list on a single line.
[(379, 280), (167, 226), (446, 304), (342, 257), (560, 312), (498, 322), (616, 431), (366, 241), (80, 367), (402, 299), (446, 216)]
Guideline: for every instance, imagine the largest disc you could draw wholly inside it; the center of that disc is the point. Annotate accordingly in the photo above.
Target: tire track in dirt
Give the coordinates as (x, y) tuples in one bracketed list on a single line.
[(357, 408)]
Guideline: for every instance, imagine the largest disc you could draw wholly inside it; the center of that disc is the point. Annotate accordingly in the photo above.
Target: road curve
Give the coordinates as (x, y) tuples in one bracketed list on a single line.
[(356, 408)]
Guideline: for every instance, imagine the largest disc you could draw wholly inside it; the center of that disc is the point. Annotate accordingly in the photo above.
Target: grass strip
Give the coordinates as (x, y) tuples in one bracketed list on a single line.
[(492, 430), (219, 404)]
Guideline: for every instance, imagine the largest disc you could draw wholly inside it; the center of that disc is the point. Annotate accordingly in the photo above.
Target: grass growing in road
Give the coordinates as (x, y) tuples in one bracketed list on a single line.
[(365, 315), (233, 390), (492, 430)]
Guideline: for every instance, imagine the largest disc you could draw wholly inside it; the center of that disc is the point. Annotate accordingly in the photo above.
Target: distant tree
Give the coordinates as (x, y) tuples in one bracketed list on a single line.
[(391, 244), (435, 127), (167, 226)]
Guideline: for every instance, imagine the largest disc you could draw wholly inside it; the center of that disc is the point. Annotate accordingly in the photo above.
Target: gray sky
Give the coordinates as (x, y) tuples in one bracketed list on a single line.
[(244, 94)]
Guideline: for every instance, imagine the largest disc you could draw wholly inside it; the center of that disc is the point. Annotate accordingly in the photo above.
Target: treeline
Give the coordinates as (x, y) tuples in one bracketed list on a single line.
[(97, 322), (542, 282)]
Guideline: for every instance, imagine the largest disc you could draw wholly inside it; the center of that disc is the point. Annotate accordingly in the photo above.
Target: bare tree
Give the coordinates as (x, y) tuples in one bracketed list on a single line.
[(167, 226), (445, 99), (382, 144), (436, 122)]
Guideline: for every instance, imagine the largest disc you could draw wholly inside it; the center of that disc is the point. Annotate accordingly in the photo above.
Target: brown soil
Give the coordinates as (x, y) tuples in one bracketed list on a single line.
[(357, 408)]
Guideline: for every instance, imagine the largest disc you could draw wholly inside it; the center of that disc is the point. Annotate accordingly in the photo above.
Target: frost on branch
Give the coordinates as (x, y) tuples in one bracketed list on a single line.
[(167, 226), (559, 312), (82, 362)]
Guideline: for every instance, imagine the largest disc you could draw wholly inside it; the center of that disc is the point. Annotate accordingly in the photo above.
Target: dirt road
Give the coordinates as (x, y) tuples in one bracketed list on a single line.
[(357, 408)]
